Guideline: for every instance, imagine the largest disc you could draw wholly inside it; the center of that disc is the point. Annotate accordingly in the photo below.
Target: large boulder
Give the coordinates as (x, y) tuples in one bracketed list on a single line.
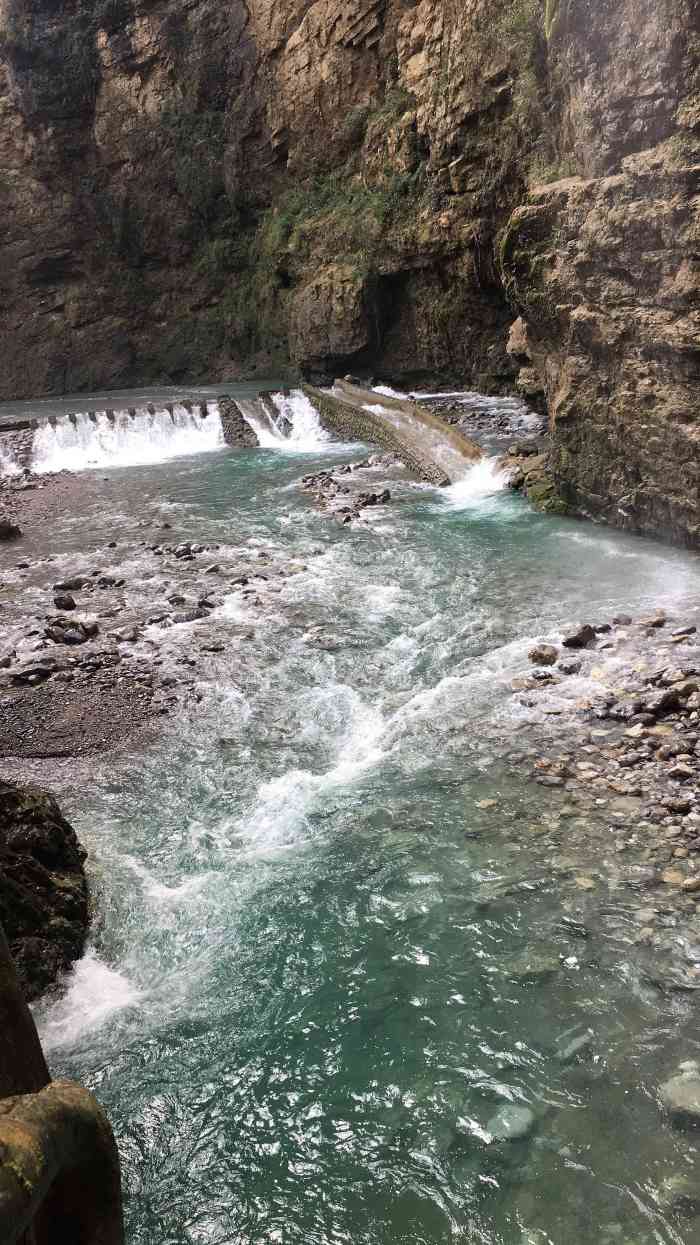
[(330, 318), (681, 1097), (43, 889)]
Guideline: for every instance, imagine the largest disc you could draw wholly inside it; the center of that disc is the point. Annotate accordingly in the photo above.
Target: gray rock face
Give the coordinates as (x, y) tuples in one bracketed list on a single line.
[(581, 638), (543, 655)]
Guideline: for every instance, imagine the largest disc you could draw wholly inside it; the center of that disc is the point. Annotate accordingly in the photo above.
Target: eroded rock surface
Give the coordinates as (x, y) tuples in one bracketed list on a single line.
[(43, 890)]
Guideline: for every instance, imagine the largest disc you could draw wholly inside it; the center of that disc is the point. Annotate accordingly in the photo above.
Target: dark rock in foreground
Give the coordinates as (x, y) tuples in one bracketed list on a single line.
[(43, 890), (9, 531)]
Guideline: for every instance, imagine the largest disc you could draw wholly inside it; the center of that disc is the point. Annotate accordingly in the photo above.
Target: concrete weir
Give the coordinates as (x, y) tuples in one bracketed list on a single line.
[(436, 452)]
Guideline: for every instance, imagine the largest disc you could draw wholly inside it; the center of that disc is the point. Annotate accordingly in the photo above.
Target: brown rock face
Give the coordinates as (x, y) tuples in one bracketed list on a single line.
[(604, 268), (195, 189), (191, 190)]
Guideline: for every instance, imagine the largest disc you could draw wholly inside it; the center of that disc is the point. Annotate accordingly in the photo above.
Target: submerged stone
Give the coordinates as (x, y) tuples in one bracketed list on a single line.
[(681, 1098), (511, 1123)]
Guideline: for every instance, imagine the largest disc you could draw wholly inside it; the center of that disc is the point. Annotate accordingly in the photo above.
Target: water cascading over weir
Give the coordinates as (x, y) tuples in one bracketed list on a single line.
[(301, 420), (114, 438)]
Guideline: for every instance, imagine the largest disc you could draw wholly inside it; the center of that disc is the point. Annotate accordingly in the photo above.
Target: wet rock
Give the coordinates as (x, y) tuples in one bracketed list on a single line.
[(543, 655), (581, 638), (511, 1123), (34, 670), (569, 1048), (64, 601), (73, 584), (680, 1193), (681, 772), (533, 966), (680, 1096), (622, 620), (661, 703), (43, 891), (570, 667), (9, 531), (654, 620), (188, 616)]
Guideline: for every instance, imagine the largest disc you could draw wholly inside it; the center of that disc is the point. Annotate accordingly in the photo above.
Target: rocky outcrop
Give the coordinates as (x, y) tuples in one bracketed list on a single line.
[(43, 890), (59, 1166), (193, 190), (604, 268)]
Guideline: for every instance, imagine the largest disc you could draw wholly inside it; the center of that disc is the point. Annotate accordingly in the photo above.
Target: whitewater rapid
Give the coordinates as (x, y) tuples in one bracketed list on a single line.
[(101, 439), (292, 425)]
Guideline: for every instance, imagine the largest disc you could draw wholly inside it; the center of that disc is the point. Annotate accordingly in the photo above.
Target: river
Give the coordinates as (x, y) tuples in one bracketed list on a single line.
[(338, 931)]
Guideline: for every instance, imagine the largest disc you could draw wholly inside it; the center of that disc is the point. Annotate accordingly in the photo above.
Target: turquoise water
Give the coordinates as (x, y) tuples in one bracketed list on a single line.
[(322, 959)]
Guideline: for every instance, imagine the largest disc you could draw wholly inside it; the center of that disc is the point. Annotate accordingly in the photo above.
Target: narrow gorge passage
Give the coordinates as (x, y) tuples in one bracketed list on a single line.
[(343, 948)]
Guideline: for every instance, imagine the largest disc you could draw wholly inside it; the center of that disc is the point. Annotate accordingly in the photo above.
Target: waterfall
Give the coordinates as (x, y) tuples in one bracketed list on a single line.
[(125, 438), (289, 422), (483, 480), (259, 419)]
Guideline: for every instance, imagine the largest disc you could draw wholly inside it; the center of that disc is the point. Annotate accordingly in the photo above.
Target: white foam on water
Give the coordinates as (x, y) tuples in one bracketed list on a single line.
[(8, 464), (388, 392), (284, 803), (95, 992), (485, 479), (82, 442), (296, 429), (306, 433), (270, 436)]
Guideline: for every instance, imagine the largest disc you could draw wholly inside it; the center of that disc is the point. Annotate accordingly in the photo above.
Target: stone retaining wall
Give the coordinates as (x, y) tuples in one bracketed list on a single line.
[(237, 433), (354, 424)]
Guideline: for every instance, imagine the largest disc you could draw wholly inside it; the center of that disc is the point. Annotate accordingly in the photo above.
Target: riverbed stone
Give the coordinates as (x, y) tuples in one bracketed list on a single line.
[(680, 1096), (680, 1192), (64, 601), (543, 655), (43, 889), (581, 638), (511, 1123), (533, 966)]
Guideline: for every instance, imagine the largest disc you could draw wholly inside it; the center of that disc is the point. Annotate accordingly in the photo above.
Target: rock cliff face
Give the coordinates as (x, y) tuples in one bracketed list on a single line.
[(605, 266), (43, 890), (195, 189)]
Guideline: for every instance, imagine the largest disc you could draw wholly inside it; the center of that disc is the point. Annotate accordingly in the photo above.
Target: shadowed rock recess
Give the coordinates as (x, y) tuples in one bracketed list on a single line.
[(197, 190)]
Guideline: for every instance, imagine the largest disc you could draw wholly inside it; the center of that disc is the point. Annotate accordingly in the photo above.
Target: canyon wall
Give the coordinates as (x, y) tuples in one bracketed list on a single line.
[(191, 190)]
